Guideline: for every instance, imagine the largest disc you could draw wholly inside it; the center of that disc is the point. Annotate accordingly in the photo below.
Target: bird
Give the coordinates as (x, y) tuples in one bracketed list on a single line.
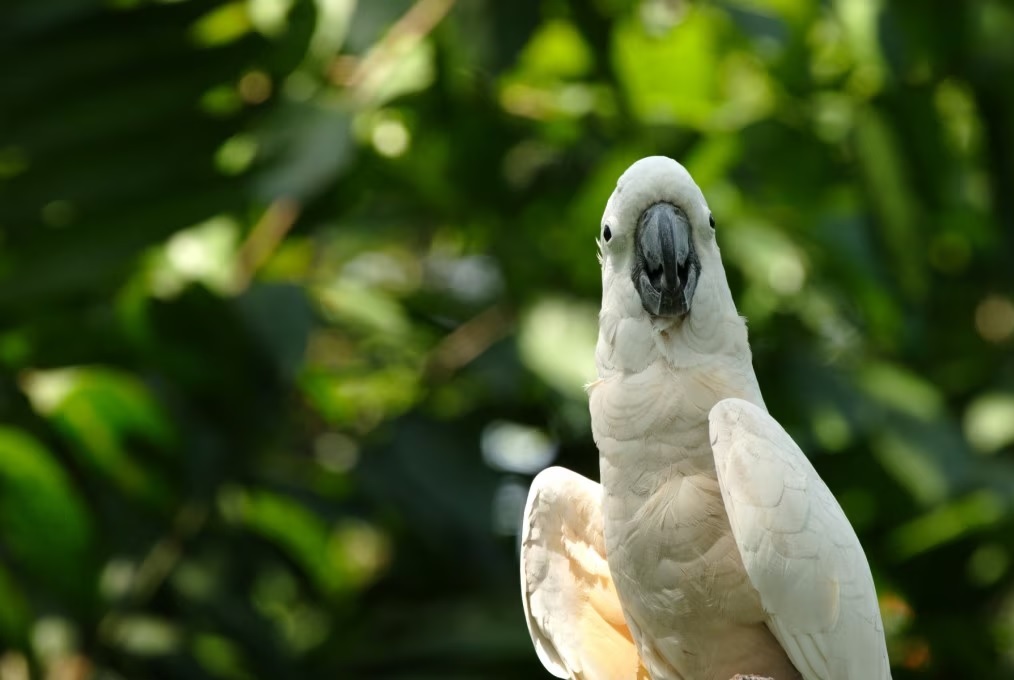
[(710, 548)]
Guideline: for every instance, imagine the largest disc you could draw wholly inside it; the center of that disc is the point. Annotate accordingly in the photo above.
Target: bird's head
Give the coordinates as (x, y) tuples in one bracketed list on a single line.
[(660, 263), (657, 231)]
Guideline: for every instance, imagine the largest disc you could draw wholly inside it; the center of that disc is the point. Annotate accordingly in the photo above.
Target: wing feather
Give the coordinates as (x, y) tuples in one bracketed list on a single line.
[(573, 613), (799, 550)]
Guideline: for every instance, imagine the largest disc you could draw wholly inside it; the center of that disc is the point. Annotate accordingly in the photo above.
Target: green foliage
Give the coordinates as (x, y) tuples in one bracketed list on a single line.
[(296, 295)]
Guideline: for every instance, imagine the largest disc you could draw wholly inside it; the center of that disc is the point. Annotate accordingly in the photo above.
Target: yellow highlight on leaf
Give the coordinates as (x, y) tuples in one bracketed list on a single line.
[(222, 25), (556, 50)]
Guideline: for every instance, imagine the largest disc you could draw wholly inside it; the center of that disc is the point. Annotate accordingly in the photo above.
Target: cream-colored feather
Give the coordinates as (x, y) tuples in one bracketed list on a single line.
[(570, 604)]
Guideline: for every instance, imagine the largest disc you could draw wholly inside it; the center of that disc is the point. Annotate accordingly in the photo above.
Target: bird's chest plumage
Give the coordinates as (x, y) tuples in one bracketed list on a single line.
[(670, 549)]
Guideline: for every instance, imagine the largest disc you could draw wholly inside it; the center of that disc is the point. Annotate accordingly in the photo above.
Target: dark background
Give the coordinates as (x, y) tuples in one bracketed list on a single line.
[(297, 295)]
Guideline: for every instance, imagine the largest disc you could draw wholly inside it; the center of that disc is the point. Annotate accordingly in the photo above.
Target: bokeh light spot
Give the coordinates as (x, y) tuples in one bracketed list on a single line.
[(988, 564), (994, 319), (516, 448), (390, 138), (254, 87), (989, 422), (336, 452)]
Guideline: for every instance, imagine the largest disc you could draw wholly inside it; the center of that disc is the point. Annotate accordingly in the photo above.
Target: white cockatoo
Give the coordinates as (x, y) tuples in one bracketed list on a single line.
[(711, 547)]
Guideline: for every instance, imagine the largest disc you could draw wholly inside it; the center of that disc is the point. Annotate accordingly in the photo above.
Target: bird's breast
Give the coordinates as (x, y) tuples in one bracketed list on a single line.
[(670, 549)]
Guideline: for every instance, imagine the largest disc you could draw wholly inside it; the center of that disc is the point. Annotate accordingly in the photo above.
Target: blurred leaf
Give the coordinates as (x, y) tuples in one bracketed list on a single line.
[(947, 523), (46, 525), (901, 389), (659, 94), (556, 50), (280, 318), (340, 559), (333, 20), (222, 25), (104, 413), (305, 145), (15, 615), (557, 341), (707, 91)]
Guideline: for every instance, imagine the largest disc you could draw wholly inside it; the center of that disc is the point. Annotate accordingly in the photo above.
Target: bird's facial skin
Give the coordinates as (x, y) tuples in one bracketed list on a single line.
[(666, 266)]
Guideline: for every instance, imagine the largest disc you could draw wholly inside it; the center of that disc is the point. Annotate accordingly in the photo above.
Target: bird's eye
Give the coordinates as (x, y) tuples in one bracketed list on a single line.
[(607, 233), (711, 219)]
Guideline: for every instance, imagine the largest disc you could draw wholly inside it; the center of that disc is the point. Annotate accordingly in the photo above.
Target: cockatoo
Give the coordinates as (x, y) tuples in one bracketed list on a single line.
[(711, 548)]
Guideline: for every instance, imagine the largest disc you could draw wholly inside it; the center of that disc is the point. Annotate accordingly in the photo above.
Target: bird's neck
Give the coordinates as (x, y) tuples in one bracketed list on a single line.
[(659, 381), (629, 343), (663, 401)]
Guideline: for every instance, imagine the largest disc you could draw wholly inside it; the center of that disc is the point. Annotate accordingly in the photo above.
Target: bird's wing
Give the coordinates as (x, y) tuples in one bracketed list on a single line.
[(573, 613), (799, 550)]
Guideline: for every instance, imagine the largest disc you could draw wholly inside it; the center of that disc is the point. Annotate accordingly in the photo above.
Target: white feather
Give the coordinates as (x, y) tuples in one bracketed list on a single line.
[(798, 548)]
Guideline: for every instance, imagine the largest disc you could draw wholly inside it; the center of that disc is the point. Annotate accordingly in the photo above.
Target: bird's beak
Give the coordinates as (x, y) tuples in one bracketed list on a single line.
[(666, 267)]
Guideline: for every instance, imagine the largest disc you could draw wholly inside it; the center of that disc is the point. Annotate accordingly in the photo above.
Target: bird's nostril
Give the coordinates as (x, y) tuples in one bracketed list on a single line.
[(657, 276), (683, 270)]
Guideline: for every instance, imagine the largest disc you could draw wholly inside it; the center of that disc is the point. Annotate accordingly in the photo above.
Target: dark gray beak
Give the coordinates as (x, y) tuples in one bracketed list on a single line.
[(666, 265)]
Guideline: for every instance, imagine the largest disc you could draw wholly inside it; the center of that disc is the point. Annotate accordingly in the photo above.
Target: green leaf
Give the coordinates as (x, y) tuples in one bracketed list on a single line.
[(44, 523), (104, 414), (338, 559), (672, 78)]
